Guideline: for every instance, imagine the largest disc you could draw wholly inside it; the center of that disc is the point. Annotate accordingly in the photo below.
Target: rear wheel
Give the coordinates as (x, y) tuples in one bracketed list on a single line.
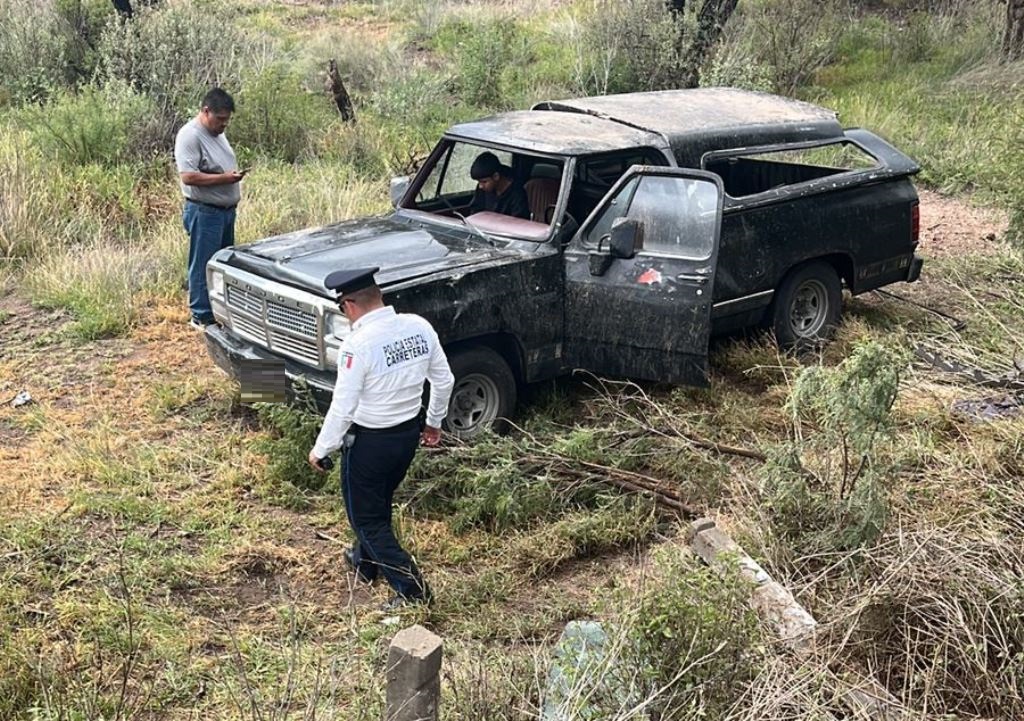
[(484, 392), (807, 306)]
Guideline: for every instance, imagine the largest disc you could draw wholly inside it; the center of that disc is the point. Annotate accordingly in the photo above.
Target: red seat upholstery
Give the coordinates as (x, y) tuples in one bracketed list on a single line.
[(542, 194)]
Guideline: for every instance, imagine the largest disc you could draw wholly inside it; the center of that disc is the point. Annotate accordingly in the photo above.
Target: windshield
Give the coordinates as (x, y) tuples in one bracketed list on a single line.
[(491, 191)]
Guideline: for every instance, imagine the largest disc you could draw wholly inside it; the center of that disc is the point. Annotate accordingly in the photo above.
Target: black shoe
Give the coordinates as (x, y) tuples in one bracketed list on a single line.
[(398, 602), (350, 562)]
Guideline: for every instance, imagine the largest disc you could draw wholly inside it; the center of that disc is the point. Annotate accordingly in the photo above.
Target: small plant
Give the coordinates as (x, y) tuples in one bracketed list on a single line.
[(827, 487), (291, 432)]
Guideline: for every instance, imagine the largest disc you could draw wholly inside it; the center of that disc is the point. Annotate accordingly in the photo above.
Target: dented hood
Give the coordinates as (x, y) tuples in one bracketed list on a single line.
[(404, 249)]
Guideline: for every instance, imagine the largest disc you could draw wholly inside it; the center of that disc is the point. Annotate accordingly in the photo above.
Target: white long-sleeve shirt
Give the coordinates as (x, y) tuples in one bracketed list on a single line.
[(381, 369)]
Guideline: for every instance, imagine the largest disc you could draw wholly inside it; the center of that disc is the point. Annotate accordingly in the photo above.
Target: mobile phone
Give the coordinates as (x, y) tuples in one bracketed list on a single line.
[(243, 171)]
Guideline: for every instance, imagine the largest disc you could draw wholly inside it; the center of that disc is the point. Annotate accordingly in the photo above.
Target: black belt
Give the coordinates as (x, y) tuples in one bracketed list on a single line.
[(403, 427), (213, 205)]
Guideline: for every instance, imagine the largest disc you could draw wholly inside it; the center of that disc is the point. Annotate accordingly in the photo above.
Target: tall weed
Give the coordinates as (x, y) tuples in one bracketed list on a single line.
[(104, 284)]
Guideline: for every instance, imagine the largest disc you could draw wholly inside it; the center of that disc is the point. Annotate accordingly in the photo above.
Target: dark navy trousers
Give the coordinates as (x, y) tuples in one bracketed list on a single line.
[(373, 467)]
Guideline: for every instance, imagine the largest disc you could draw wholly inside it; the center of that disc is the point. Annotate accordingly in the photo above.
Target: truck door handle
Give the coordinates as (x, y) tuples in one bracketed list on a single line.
[(693, 278)]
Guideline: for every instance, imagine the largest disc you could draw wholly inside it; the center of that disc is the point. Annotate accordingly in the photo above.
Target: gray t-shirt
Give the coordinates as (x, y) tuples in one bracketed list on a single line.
[(196, 150)]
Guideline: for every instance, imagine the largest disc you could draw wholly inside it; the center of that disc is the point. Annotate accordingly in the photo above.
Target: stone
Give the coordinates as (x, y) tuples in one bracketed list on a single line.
[(413, 676)]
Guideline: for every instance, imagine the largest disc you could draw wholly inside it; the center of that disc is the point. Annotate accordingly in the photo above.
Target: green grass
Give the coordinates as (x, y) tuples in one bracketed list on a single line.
[(139, 496)]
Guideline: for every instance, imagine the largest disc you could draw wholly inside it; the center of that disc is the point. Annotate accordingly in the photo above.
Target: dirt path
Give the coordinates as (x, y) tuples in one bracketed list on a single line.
[(952, 227)]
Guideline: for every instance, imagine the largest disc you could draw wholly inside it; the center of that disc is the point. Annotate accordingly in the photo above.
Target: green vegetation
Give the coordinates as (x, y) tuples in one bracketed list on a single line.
[(167, 552)]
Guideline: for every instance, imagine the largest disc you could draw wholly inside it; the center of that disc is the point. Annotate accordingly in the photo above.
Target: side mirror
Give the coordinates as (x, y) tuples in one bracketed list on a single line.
[(397, 190), (626, 237)]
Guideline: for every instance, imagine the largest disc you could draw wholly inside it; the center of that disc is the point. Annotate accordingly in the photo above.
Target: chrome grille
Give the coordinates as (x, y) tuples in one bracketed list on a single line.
[(291, 331), (249, 327), (293, 319), (301, 348), (244, 300)]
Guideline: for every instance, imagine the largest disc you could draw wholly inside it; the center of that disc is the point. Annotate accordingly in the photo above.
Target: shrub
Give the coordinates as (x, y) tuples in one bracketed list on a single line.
[(276, 116), (826, 488), (793, 38), (47, 45), (107, 125), (629, 45), (489, 58), (173, 53)]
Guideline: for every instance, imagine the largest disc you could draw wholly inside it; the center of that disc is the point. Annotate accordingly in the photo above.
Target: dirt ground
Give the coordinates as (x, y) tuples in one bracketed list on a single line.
[(952, 227)]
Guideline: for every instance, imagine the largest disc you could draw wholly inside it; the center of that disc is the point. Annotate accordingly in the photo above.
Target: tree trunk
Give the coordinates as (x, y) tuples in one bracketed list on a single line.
[(714, 14), (1013, 38), (337, 89)]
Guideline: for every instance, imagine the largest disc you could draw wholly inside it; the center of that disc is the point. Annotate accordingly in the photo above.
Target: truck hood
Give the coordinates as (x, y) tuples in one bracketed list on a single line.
[(402, 248)]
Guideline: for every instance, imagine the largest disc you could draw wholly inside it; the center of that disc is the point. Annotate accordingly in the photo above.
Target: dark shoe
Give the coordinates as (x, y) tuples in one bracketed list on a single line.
[(397, 603), (200, 324), (350, 562)]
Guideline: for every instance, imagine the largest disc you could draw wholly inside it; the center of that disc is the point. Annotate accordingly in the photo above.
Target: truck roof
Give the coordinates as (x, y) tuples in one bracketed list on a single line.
[(690, 122), (695, 121), (556, 133)]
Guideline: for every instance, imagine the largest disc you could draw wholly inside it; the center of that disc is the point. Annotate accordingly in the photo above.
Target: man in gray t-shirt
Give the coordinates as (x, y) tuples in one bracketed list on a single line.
[(210, 183)]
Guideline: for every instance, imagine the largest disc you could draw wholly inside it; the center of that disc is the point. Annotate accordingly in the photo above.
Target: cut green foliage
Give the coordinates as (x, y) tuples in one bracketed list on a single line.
[(826, 486), (291, 433)]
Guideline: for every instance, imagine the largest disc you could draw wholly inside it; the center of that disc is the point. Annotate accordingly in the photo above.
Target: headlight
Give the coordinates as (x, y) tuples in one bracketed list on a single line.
[(337, 325), (216, 282)]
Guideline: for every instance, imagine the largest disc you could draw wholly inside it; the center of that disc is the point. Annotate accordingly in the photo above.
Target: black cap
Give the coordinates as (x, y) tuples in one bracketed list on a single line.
[(349, 281)]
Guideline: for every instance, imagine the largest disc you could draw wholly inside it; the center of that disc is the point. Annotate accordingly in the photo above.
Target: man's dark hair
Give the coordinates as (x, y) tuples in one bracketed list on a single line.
[(486, 165), (217, 100)]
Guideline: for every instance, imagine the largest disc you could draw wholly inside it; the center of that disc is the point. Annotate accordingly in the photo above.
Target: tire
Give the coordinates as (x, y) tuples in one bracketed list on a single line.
[(484, 393), (807, 306)]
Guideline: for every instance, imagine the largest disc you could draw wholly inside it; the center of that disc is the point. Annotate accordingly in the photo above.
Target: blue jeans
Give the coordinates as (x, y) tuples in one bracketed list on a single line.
[(209, 229)]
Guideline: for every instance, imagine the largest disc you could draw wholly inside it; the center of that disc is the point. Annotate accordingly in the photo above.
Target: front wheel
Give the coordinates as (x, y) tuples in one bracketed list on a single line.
[(807, 306), (484, 392)]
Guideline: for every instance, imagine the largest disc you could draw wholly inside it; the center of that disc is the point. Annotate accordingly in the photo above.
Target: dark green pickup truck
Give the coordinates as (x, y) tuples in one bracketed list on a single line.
[(656, 220)]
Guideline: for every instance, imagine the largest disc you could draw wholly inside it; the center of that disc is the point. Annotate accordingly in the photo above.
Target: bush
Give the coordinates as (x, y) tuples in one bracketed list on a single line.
[(629, 45), (490, 58), (174, 53), (276, 116), (793, 38), (47, 45), (107, 125), (826, 488)]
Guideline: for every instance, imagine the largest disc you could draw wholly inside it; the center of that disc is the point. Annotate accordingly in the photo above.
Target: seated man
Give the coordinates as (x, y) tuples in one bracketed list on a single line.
[(495, 189)]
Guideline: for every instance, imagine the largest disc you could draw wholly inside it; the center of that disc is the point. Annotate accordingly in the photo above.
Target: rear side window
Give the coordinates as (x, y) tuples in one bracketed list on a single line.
[(758, 172)]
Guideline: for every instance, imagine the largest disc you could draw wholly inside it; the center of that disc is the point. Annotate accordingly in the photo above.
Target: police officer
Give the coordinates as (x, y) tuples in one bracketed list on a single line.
[(375, 415)]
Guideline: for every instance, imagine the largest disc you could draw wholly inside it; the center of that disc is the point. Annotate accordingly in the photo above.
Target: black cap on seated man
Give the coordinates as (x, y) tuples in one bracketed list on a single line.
[(349, 281), (496, 191)]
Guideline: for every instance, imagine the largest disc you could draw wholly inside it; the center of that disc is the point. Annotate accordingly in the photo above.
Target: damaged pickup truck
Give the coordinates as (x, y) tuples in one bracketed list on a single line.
[(657, 220)]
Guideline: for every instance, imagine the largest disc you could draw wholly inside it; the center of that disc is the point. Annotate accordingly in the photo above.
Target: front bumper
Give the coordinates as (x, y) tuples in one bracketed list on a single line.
[(241, 360)]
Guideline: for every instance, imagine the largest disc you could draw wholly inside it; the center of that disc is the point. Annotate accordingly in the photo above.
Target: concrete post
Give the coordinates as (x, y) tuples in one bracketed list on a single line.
[(413, 676)]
